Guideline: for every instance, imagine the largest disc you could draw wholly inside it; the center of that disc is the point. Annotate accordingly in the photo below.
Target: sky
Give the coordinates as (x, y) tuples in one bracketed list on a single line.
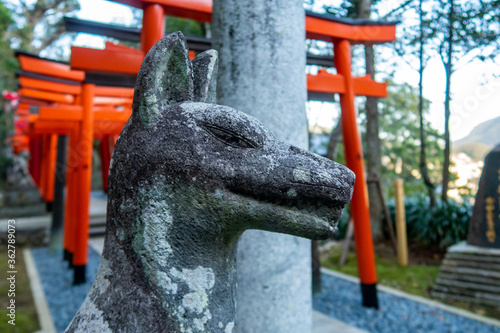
[(475, 90), (475, 94)]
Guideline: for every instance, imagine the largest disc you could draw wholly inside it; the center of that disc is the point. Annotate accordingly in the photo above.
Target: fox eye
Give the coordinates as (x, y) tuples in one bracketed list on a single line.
[(229, 137)]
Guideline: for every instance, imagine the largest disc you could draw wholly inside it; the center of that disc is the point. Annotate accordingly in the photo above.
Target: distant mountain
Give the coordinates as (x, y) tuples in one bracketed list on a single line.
[(487, 133), (476, 151), (480, 140)]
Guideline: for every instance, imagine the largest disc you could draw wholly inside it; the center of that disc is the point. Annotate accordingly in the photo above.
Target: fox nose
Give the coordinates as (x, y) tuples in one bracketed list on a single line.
[(320, 177)]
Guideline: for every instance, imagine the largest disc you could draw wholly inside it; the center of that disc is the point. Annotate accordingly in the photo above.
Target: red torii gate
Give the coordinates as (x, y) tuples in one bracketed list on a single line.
[(342, 33), (68, 104)]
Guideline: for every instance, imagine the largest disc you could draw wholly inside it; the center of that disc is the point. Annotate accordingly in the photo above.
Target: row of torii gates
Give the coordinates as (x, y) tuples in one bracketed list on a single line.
[(91, 99)]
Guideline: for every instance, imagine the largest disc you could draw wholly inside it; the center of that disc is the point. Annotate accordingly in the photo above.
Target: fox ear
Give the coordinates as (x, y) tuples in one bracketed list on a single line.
[(164, 78), (205, 76)]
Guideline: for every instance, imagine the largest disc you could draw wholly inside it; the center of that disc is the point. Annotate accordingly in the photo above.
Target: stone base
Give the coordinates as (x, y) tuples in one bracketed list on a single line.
[(21, 203), (469, 274)]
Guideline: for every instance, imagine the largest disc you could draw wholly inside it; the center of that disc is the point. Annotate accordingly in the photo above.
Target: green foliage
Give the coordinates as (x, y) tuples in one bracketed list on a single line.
[(186, 26), (439, 227), (5, 17), (29, 27), (39, 23), (400, 139), (8, 64)]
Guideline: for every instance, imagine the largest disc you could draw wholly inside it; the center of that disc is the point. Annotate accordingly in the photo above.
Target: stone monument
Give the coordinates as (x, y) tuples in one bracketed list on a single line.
[(484, 229), (186, 179), (471, 270)]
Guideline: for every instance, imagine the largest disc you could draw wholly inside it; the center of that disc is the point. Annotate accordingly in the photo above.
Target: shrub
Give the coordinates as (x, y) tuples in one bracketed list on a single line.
[(443, 225)]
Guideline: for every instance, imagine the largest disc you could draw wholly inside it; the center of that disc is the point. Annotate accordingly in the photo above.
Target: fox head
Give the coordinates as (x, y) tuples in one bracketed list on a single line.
[(248, 179), (187, 177)]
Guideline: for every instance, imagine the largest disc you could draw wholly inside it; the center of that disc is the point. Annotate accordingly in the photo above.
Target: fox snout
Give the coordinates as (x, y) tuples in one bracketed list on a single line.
[(317, 178), (293, 176)]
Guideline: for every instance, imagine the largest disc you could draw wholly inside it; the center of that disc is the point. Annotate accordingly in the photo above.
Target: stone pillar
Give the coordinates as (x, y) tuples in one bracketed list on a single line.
[(262, 72)]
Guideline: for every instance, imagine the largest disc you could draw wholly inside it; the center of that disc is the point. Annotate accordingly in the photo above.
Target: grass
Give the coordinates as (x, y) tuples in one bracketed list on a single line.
[(26, 317), (416, 279), (413, 279)]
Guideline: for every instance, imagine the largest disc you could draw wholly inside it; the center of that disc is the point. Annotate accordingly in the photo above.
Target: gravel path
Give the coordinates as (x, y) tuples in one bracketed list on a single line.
[(341, 300), (63, 297)]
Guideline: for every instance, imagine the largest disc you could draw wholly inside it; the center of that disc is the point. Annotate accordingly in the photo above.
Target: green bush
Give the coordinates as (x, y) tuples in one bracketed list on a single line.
[(441, 226)]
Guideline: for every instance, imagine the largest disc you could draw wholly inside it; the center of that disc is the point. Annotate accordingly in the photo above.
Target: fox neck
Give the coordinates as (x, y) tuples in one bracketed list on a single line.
[(184, 258)]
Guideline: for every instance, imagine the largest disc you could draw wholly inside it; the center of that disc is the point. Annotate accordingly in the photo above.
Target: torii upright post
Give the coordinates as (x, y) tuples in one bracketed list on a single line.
[(84, 184), (153, 25), (354, 156)]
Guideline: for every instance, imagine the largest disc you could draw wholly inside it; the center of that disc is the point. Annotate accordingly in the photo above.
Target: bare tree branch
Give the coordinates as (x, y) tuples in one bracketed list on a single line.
[(387, 15)]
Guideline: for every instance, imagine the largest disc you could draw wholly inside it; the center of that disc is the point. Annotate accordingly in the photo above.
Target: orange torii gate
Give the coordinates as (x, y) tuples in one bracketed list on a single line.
[(342, 33), (65, 104), (348, 32)]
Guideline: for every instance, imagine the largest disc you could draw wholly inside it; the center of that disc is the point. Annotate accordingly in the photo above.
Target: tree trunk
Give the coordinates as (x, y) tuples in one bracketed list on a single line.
[(373, 165), (449, 70), (446, 164), (262, 73), (423, 160)]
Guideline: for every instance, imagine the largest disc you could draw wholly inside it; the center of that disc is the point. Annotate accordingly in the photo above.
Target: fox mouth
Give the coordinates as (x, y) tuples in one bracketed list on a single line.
[(320, 217), (313, 218), (330, 211)]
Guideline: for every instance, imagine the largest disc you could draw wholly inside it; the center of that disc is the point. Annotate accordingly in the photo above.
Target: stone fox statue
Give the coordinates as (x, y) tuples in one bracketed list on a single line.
[(187, 179)]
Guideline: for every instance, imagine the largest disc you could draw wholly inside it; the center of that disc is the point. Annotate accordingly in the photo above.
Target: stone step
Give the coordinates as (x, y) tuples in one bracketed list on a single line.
[(97, 226), (97, 221), (470, 274), (471, 271), (447, 296), (469, 278), (23, 211), (468, 285), (17, 198), (471, 264), (463, 247), (97, 231), (466, 292), (481, 297), (473, 257)]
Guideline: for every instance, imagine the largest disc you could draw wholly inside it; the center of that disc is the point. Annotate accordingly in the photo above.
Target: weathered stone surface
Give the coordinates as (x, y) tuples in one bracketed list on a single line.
[(470, 274), (27, 237), (484, 229), (262, 73), (186, 179), (205, 71)]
